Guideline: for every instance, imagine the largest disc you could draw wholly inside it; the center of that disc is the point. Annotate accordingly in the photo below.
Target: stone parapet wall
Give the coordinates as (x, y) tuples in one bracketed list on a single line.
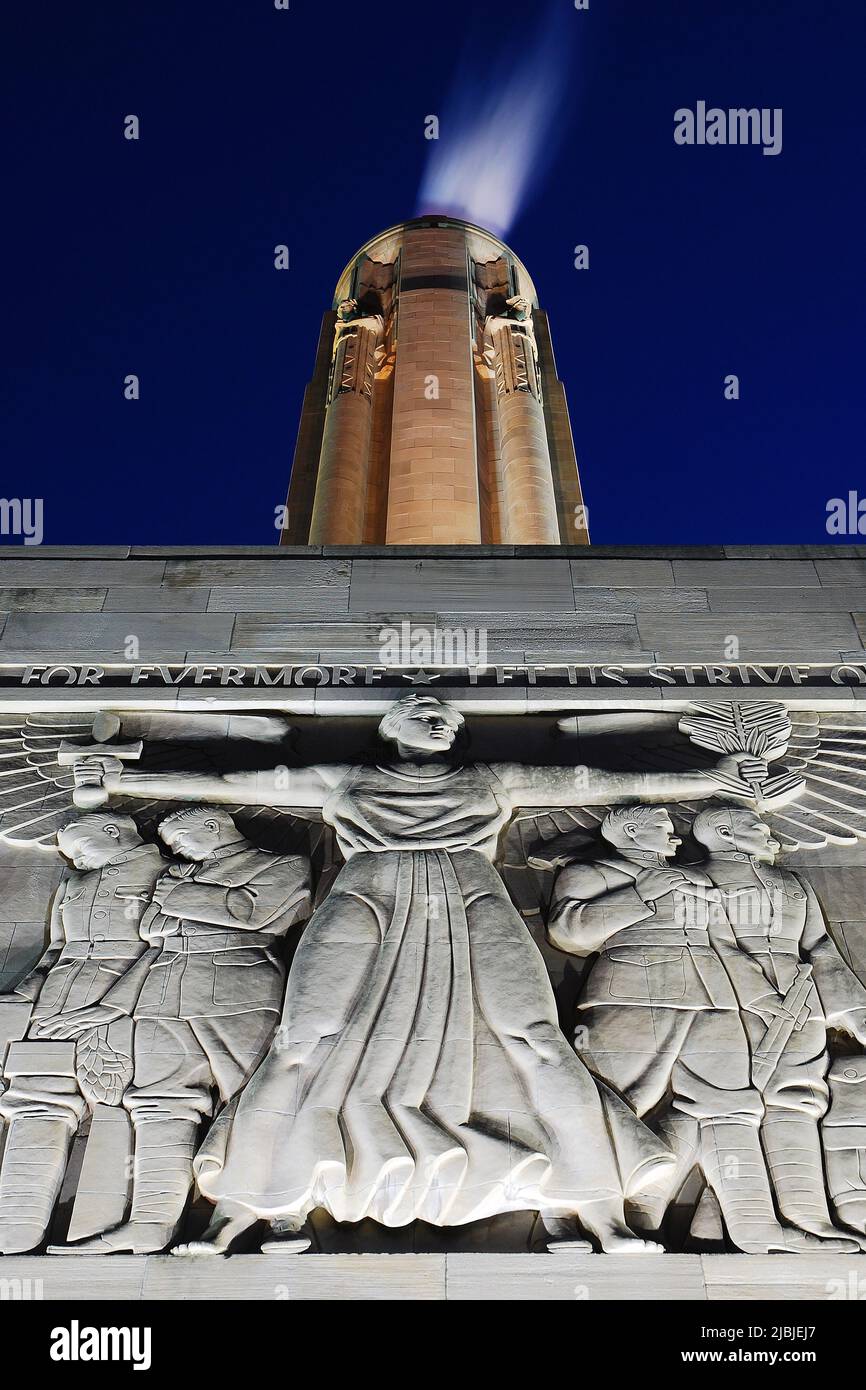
[(308, 603)]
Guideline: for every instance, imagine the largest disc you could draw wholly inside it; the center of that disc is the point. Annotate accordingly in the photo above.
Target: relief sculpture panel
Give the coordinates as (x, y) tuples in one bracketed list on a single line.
[(318, 971)]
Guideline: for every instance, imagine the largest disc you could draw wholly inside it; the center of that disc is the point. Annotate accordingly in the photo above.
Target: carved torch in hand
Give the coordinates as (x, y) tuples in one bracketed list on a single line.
[(91, 762)]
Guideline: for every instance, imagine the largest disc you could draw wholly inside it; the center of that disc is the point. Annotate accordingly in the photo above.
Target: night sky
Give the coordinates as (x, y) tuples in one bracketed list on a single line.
[(261, 127)]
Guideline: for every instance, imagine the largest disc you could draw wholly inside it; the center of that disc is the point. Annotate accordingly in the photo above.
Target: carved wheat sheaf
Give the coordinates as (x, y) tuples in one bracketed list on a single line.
[(103, 1072), (818, 766)]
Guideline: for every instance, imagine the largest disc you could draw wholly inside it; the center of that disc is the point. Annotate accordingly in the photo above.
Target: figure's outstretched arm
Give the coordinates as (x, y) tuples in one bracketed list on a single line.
[(594, 786), (276, 786)]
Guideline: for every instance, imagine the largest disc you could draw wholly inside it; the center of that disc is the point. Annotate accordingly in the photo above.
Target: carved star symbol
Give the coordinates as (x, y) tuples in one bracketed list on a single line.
[(420, 677)]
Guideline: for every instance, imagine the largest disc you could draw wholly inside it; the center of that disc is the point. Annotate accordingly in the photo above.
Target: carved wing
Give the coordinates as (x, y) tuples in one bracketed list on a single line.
[(828, 752), (818, 762), (534, 844), (35, 791)]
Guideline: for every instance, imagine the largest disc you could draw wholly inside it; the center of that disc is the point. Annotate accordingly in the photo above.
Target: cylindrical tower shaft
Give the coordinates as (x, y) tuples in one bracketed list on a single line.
[(433, 490), (340, 502), (435, 416), (526, 477)]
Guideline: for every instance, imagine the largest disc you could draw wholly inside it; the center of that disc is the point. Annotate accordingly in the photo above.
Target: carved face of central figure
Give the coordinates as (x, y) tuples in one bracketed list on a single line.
[(421, 724), (428, 730)]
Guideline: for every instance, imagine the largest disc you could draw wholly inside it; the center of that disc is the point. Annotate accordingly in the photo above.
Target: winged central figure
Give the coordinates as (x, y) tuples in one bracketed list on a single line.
[(419, 1072)]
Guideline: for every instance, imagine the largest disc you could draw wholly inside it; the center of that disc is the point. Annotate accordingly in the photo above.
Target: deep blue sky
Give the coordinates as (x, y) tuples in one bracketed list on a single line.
[(259, 127)]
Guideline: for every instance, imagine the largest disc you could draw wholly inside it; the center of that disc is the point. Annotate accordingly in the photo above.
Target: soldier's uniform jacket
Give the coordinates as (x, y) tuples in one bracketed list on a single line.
[(675, 952), (214, 935), (777, 919), (95, 936)]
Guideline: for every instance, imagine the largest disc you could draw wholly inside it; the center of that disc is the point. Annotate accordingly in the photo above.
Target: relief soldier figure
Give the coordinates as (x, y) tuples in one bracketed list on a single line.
[(660, 1014), (94, 941), (778, 923), (205, 997)]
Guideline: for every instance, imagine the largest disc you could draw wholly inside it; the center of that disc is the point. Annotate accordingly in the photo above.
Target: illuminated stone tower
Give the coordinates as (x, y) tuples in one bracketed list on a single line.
[(435, 415)]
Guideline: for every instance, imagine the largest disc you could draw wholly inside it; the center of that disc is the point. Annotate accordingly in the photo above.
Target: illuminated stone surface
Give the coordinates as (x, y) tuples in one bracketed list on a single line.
[(435, 416)]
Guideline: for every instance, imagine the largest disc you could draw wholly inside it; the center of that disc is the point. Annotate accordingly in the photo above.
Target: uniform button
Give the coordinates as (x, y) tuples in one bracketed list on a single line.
[(111, 873), (100, 912), (98, 936)]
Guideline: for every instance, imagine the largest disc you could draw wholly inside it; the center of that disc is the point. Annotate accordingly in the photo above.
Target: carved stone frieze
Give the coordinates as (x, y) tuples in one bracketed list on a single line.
[(398, 1052)]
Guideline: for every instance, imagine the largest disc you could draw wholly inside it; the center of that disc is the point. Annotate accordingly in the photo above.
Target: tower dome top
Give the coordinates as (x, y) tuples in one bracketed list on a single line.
[(482, 247)]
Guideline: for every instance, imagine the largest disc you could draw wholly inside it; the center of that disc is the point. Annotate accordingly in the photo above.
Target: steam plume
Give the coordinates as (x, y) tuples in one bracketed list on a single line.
[(499, 128)]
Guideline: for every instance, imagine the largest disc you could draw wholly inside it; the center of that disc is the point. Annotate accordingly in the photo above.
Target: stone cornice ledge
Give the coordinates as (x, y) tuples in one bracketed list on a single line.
[(464, 552), (431, 1277)]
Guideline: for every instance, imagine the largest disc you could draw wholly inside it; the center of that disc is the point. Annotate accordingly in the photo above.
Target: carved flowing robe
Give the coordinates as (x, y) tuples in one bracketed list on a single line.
[(419, 1072)]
